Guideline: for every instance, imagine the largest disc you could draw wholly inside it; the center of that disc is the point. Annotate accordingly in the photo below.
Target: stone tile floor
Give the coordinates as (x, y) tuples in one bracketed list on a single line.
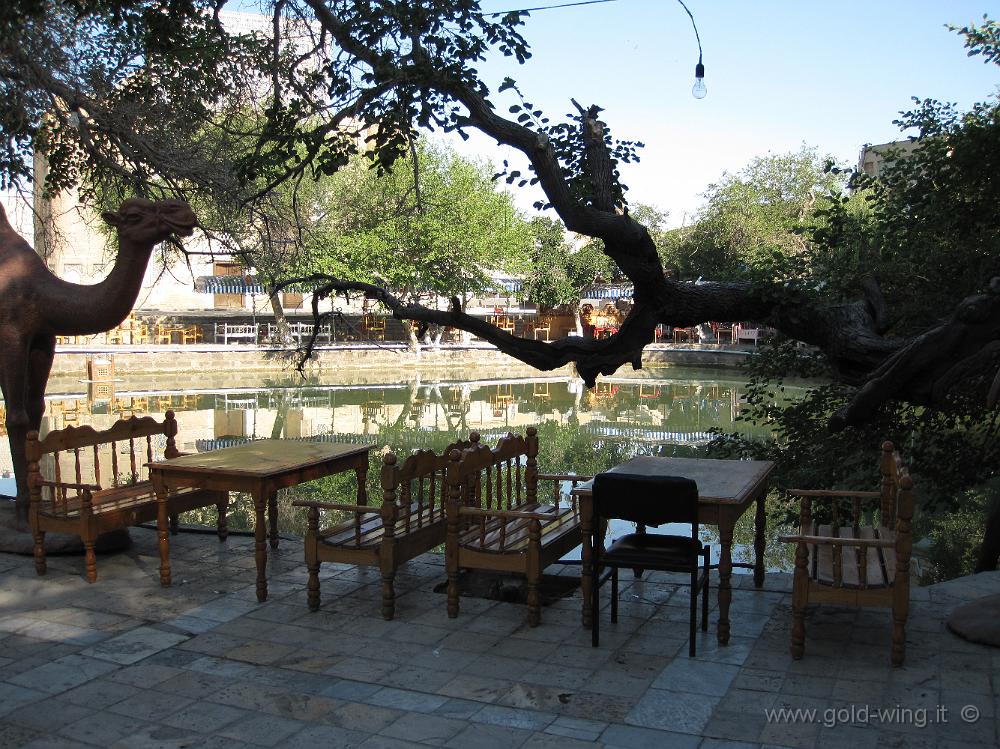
[(127, 663)]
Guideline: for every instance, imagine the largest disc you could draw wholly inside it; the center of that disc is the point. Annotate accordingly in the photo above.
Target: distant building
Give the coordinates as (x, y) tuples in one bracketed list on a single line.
[(875, 159)]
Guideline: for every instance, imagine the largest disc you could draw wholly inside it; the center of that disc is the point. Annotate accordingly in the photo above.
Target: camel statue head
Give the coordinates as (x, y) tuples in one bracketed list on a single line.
[(144, 223)]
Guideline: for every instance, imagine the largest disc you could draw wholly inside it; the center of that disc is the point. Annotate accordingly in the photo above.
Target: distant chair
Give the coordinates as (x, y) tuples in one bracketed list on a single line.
[(164, 334), (542, 325), (724, 329), (373, 327), (192, 334), (685, 335)]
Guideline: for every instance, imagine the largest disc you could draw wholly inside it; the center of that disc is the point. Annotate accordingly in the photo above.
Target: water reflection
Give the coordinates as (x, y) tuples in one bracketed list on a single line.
[(657, 415), (581, 430)]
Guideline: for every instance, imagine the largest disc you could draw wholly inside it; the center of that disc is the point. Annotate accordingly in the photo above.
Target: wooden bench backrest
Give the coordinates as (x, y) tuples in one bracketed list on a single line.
[(501, 478), (109, 457), (421, 478)]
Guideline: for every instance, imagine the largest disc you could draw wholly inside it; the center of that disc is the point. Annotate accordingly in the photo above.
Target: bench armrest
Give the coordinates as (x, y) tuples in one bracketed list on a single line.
[(563, 477), (69, 485), (335, 506), (832, 493), (839, 541), (508, 514)]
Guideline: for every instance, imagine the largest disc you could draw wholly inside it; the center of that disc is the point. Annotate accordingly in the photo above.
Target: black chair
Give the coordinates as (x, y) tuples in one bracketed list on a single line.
[(647, 500)]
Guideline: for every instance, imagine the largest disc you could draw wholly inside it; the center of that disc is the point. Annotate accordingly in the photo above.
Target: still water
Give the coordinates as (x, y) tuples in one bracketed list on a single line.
[(669, 412)]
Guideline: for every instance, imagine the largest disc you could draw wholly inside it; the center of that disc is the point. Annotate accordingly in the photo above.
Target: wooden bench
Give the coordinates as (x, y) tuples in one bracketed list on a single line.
[(99, 484), (854, 556), (229, 331), (410, 522), (498, 522)]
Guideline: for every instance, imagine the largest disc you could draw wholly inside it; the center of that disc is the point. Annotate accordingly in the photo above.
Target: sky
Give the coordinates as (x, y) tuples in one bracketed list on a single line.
[(780, 74)]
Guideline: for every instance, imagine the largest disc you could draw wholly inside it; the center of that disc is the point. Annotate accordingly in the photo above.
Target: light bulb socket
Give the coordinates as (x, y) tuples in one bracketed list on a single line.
[(699, 71)]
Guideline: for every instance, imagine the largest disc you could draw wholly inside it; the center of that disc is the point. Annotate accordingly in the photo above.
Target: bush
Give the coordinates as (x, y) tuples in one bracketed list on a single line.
[(955, 538)]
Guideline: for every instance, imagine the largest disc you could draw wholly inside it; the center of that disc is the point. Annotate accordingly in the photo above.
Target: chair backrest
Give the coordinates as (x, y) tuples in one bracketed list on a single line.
[(897, 489), (650, 500), (111, 457), (421, 478), (501, 478)]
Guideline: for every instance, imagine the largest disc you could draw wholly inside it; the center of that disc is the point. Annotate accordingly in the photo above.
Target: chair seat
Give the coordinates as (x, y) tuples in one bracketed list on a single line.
[(115, 499), (368, 530), (501, 536), (876, 570), (651, 550)]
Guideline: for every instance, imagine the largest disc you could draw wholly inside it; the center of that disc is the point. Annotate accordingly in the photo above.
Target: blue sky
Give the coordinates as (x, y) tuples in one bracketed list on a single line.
[(780, 74)]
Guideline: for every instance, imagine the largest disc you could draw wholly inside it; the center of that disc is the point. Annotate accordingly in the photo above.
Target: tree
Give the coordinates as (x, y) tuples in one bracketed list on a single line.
[(432, 225), (547, 279), (412, 66), (121, 90), (926, 225), (753, 221)]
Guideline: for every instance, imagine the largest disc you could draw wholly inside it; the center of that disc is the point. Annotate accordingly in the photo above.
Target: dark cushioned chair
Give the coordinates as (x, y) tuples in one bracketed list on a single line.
[(648, 500)]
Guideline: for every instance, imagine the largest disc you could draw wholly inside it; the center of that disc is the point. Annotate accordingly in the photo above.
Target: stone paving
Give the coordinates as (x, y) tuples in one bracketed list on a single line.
[(126, 663)]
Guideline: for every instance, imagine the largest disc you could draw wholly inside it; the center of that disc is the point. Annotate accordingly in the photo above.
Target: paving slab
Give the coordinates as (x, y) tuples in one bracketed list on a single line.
[(127, 663)]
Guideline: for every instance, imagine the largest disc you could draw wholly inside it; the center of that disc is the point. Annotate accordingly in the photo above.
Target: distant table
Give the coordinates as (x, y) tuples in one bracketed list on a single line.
[(259, 468), (726, 488), (601, 330), (168, 331)]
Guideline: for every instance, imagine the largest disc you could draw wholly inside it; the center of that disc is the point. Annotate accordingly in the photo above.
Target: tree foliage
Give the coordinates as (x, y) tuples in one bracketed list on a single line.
[(753, 222), (926, 226), (131, 89), (433, 224)]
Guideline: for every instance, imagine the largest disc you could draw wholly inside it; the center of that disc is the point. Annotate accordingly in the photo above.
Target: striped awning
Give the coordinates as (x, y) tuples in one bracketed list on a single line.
[(609, 291), (231, 285), (510, 285), (247, 285)]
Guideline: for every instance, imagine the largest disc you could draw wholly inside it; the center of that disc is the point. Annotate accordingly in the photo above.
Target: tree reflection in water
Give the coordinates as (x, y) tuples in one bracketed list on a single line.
[(584, 431)]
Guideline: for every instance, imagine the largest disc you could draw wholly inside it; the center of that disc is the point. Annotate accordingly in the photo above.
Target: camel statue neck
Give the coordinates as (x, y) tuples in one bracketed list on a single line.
[(88, 309)]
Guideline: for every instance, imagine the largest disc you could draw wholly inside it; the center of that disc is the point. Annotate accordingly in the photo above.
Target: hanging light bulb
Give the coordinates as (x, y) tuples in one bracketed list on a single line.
[(699, 90)]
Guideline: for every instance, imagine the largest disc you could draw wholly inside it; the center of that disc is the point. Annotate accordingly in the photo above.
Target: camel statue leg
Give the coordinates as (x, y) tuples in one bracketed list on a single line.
[(13, 379), (43, 351)]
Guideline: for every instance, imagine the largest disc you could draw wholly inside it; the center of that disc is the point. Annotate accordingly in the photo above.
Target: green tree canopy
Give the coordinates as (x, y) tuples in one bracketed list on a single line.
[(754, 219), (434, 222)]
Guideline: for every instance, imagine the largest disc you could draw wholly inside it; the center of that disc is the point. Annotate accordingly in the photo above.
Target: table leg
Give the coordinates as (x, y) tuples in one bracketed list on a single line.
[(586, 558), (272, 516), (726, 523), (260, 542), (361, 471), (760, 522), (162, 531)]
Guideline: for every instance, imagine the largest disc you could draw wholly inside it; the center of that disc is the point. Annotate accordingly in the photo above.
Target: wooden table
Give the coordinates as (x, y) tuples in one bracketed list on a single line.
[(260, 468), (726, 488), (164, 330)]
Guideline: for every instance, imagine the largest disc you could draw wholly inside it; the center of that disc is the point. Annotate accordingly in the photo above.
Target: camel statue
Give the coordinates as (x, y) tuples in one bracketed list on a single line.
[(36, 306)]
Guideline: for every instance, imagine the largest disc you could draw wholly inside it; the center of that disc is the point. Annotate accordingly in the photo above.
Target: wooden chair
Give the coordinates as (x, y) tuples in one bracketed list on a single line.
[(497, 521), (94, 489), (410, 522), (724, 329), (685, 335), (139, 333), (542, 325), (164, 334), (863, 563), (648, 500), (192, 334), (373, 327)]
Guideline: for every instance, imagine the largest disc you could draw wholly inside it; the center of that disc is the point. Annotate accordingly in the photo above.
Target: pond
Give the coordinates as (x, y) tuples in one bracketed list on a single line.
[(667, 412)]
